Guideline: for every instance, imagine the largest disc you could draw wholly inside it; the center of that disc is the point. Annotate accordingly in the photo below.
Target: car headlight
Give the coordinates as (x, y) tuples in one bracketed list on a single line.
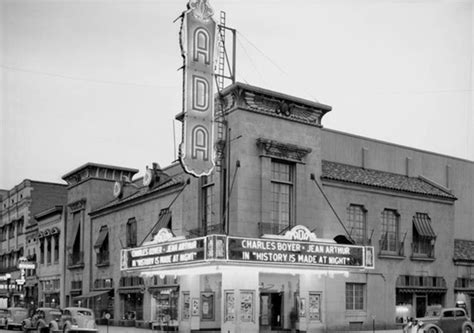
[(420, 323)]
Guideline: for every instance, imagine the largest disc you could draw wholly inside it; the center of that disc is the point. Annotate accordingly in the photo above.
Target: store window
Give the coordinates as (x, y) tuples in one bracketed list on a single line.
[(356, 220), (282, 201), (131, 297), (133, 306), (355, 296), (166, 309)]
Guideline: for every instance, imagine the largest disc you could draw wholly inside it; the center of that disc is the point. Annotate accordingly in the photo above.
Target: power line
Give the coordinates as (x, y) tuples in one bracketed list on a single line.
[(73, 78)]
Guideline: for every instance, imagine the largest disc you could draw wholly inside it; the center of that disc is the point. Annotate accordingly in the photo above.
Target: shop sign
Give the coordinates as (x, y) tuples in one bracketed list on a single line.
[(163, 254), (26, 265), (295, 252), (198, 40), (298, 246)]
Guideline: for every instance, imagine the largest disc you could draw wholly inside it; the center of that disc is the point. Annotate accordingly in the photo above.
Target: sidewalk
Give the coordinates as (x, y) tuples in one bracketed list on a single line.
[(121, 329)]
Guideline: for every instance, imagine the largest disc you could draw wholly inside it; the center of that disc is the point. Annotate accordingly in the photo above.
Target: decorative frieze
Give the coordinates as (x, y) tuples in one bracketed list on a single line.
[(272, 104), (77, 205), (287, 151)]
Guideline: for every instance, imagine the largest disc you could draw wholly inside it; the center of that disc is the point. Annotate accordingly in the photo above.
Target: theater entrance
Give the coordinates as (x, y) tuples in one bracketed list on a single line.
[(271, 311)]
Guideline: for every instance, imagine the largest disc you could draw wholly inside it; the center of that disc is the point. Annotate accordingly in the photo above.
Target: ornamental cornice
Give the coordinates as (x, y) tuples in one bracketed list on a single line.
[(282, 150), (271, 103), (77, 205)]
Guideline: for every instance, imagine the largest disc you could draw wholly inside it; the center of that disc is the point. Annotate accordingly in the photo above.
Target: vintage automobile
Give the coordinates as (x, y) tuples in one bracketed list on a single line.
[(15, 317), (74, 318), (41, 319), (447, 320), (3, 317)]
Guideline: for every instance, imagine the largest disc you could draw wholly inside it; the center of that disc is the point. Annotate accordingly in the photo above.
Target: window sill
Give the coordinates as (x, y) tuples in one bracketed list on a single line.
[(75, 266), (102, 264), (354, 314), (387, 255), (422, 258)]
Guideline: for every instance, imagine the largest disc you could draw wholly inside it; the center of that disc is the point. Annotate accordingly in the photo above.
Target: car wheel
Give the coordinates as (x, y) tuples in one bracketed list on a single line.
[(468, 329), (432, 330)]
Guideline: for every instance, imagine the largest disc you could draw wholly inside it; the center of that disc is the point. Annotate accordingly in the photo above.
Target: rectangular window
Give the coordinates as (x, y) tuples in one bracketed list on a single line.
[(282, 179), (48, 250), (11, 232), (390, 231), (102, 246), (41, 251), (423, 236), (355, 296), (132, 232), (209, 218), (357, 223), (56, 249), (19, 229)]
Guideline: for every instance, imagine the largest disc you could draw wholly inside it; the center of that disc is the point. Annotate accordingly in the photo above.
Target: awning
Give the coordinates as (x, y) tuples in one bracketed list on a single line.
[(131, 290), (102, 236), (163, 221), (168, 289), (422, 225), (92, 294), (412, 290)]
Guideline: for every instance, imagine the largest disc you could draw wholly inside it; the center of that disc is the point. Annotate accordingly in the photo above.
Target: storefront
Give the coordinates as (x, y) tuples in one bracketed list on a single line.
[(415, 293), (256, 284)]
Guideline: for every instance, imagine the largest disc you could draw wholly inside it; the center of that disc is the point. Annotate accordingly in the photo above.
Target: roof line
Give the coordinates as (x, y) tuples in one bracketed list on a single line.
[(397, 145)]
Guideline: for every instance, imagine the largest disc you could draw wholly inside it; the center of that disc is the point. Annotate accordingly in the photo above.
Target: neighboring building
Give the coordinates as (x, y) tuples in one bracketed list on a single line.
[(412, 206), (50, 263), (18, 229), (88, 187)]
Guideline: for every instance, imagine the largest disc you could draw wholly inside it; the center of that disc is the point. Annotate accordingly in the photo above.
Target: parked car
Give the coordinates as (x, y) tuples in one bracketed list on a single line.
[(3, 317), (447, 320), (15, 317), (77, 319), (41, 319)]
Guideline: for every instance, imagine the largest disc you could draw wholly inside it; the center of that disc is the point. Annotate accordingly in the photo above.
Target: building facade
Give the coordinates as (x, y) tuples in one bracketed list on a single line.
[(50, 264), (88, 187), (281, 235), (281, 171), (18, 236)]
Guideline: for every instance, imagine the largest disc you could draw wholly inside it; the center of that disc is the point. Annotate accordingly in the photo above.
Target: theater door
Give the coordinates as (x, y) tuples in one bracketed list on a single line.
[(271, 305)]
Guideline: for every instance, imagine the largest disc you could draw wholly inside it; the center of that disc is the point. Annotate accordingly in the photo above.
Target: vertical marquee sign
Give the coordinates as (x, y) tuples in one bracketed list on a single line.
[(198, 40)]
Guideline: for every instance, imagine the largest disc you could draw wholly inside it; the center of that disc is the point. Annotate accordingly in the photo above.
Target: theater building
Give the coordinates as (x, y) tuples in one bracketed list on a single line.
[(262, 242)]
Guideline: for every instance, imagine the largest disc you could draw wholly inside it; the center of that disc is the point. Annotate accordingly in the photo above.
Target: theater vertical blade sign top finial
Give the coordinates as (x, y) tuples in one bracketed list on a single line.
[(198, 40)]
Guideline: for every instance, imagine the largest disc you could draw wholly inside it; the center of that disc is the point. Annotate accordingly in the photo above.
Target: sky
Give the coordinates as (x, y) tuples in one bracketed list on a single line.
[(98, 80)]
